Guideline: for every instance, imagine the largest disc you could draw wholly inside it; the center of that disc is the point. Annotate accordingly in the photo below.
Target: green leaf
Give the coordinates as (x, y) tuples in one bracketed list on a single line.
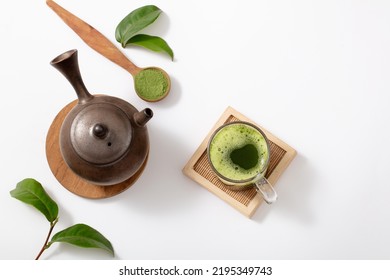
[(135, 21), (83, 236), (152, 43), (31, 192)]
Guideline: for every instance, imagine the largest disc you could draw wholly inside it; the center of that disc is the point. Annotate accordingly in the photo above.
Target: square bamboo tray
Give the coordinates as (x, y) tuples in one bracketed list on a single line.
[(246, 201)]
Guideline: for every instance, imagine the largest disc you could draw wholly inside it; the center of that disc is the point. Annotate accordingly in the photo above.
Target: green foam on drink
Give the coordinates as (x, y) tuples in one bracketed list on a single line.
[(238, 152)]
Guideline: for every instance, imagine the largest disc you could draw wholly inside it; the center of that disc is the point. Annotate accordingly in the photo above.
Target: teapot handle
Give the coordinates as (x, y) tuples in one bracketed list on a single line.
[(67, 64)]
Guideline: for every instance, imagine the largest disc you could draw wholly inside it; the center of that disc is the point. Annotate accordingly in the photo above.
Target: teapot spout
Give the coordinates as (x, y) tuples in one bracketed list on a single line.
[(67, 64), (142, 117)]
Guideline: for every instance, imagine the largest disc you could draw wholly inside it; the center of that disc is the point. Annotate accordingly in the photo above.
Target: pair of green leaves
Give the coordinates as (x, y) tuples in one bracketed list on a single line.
[(127, 29), (31, 192)]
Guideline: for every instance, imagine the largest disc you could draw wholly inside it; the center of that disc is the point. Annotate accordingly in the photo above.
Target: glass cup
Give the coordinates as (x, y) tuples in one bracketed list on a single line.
[(239, 154)]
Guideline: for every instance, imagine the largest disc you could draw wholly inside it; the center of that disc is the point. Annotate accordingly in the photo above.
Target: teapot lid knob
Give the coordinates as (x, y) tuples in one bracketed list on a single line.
[(100, 130)]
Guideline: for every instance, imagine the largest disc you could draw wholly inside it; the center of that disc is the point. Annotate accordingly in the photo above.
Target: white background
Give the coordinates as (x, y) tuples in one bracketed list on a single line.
[(314, 73)]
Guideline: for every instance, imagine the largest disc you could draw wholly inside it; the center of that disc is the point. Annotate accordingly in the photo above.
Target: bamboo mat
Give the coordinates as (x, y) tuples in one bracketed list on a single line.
[(246, 201)]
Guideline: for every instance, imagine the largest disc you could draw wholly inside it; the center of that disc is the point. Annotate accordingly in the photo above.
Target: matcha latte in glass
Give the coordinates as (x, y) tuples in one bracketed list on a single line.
[(239, 154)]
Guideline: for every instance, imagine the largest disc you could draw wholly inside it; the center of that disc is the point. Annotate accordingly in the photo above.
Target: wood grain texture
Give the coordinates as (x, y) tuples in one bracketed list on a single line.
[(65, 175), (94, 38), (246, 201)]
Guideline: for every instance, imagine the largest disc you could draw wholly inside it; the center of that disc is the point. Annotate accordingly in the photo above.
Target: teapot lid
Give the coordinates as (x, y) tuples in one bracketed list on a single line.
[(101, 133)]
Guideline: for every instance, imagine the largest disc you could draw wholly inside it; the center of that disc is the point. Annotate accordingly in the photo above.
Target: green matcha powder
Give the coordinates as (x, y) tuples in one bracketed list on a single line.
[(151, 84)]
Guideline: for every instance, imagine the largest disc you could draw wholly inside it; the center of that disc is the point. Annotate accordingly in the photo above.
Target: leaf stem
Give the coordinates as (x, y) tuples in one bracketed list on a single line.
[(45, 245)]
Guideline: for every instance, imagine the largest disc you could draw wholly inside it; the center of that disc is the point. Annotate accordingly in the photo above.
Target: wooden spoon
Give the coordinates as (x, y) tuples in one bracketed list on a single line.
[(148, 88)]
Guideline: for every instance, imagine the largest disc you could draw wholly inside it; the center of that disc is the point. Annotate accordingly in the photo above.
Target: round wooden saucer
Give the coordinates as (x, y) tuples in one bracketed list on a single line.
[(65, 175)]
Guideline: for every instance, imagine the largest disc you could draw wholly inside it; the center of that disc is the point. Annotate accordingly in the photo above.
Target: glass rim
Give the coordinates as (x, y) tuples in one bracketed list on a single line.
[(235, 123)]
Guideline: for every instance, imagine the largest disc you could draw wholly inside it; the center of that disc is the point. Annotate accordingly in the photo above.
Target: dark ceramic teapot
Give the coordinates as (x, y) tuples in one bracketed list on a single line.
[(103, 139)]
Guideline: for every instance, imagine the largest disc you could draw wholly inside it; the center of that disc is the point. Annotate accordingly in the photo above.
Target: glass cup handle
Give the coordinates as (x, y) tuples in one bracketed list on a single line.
[(266, 190)]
